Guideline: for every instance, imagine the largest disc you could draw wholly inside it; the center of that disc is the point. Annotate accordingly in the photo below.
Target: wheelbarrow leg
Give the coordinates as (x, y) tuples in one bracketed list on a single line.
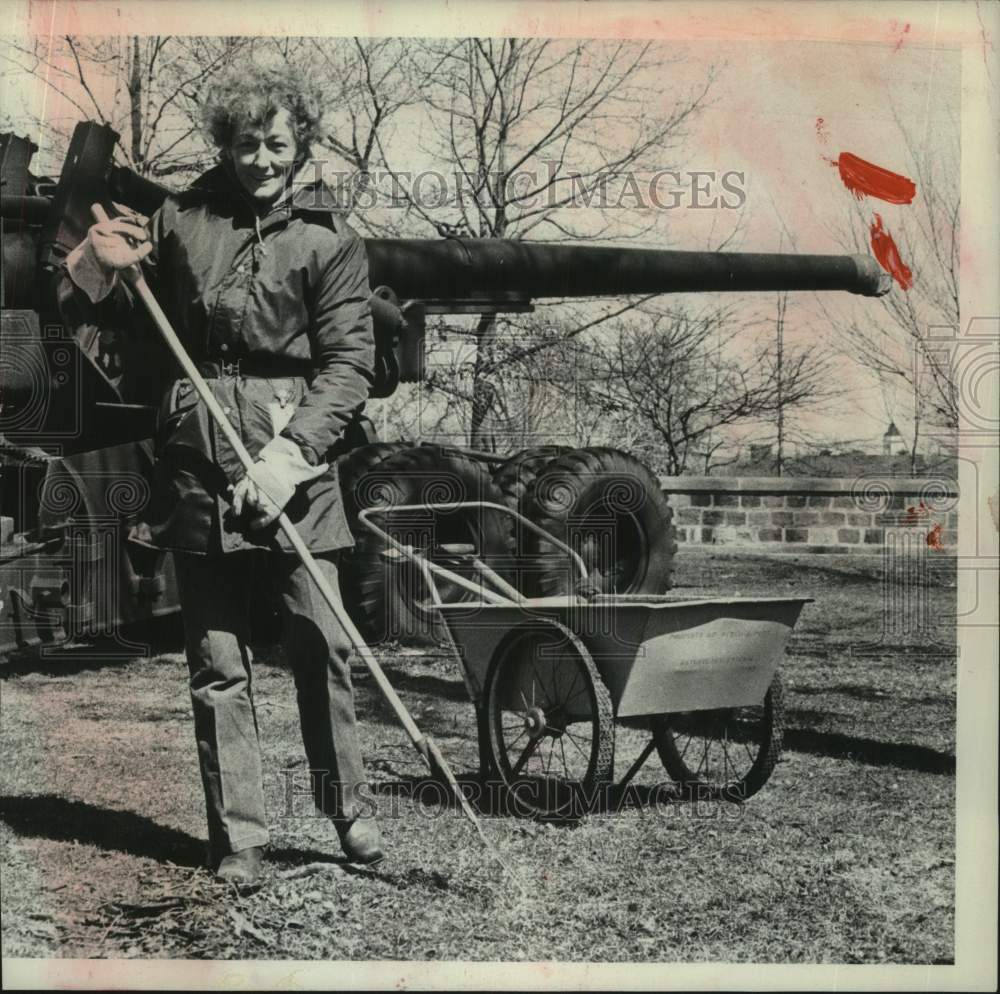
[(637, 765), (486, 768)]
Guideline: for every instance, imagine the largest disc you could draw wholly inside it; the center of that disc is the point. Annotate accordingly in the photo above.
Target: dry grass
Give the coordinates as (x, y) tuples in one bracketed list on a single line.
[(846, 856)]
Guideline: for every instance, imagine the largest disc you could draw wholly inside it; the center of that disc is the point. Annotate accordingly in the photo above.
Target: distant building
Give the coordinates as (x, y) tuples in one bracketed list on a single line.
[(892, 442)]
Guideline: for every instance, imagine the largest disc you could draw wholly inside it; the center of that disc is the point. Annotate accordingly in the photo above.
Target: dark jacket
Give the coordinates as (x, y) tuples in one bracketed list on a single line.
[(289, 285)]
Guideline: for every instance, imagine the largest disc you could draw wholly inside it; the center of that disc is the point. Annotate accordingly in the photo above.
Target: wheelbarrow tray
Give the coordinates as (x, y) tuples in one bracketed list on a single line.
[(656, 654)]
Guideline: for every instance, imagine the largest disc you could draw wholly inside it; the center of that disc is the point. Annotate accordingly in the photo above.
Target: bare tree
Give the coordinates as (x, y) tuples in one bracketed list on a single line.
[(367, 81), (531, 368), (781, 309), (530, 129), (527, 371), (906, 345), (674, 382), (146, 88)]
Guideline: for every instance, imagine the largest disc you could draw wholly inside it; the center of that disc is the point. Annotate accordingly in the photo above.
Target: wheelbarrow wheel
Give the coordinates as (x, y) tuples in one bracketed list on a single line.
[(726, 754), (547, 723)]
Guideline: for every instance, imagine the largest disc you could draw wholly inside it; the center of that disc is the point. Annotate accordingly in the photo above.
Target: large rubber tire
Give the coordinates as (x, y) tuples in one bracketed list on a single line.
[(608, 507), (546, 724), (351, 470), (725, 754), (389, 597), (352, 466), (514, 477)]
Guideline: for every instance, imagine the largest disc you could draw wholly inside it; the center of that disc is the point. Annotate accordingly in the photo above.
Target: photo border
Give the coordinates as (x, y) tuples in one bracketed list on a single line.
[(970, 27)]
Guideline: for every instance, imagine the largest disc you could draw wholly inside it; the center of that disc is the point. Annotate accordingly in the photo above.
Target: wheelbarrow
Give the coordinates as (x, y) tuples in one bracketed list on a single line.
[(551, 676)]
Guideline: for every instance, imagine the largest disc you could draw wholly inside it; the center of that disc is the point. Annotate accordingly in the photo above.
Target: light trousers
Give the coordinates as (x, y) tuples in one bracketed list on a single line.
[(215, 603)]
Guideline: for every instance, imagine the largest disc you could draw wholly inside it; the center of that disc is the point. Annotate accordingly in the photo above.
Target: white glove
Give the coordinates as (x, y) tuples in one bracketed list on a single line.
[(271, 482), (109, 247)]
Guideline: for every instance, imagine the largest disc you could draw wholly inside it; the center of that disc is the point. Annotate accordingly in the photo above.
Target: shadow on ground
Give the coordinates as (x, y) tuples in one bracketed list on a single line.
[(154, 637), (47, 816), (871, 752), (449, 689)]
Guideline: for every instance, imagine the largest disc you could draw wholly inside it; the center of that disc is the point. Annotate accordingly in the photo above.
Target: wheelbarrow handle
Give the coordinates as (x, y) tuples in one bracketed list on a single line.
[(506, 589), (429, 568)]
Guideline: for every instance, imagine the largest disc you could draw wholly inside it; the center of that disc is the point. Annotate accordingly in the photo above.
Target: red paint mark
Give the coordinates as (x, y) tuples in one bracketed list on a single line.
[(902, 34), (888, 255), (914, 514), (824, 138), (864, 179), (934, 537)]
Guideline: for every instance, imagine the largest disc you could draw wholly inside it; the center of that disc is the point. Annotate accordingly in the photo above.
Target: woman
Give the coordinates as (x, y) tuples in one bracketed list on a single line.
[(268, 289)]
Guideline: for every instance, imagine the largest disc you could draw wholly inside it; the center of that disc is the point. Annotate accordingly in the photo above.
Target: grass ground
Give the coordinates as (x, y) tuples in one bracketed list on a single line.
[(846, 856)]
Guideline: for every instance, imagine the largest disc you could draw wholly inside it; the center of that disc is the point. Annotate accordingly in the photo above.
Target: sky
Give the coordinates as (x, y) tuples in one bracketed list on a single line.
[(763, 120)]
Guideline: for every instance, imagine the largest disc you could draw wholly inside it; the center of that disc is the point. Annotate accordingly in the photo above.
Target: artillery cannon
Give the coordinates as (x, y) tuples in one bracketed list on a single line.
[(77, 411)]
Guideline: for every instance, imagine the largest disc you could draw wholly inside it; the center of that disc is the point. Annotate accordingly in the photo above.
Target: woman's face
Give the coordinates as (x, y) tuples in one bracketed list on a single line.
[(264, 155)]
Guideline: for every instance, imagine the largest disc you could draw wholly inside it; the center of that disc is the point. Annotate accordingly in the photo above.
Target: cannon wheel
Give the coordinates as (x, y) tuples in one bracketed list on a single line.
[(352, 467), (726, 754), (515, 475), (354, 464), (609, 507), (552, 761), (388, 596)]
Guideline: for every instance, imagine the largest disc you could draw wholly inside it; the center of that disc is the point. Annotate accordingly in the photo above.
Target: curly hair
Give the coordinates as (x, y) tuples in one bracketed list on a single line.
[(251, 94)]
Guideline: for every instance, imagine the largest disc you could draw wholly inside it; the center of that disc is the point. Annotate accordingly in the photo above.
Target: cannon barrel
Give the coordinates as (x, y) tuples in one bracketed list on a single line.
[(454, 268), (449, 274), (447, 269)]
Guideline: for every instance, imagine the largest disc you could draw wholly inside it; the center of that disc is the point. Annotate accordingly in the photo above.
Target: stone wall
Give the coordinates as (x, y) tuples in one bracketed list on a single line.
[(801, 514)]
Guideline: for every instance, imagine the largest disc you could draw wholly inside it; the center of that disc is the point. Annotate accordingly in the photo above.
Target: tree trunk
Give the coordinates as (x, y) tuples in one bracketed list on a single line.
[(480, 437), (780, 462), (135, 105)]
